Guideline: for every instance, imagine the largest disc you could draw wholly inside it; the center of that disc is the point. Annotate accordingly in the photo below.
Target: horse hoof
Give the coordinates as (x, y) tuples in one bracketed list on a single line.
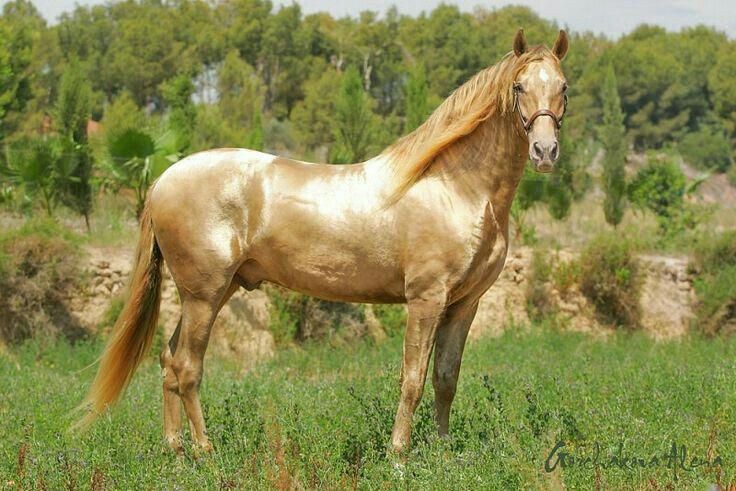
[(201, 450), (176, 445)]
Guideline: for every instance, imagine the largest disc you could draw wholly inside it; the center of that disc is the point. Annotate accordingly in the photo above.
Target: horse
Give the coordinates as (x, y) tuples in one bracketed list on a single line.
[(425, 223)]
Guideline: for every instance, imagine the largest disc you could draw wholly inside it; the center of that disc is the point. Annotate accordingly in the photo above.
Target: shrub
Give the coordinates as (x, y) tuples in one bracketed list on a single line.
[(538, 304), (38, 264), (391, 317), (707, 148), (611, 279), (298, 317), (660, 187), (565, 275), (714, 265)]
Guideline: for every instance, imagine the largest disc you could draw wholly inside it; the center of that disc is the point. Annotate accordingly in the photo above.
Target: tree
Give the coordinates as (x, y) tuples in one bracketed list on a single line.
[(313, 117), (31, 167), (177, 93), (531, 190), (132, 154), (708, 147), (6, 71), (660, 187), (72, 113), (254, 140), (136, 159), (721, 85), (353, 119), (560, 186), (417, 101), (612, 134)]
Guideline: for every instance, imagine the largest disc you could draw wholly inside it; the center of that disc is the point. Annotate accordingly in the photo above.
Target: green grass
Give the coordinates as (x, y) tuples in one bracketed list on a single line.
[(320, 417)]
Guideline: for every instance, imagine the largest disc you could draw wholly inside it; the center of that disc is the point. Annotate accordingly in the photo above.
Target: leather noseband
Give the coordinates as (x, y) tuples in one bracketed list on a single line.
[(527, 122)]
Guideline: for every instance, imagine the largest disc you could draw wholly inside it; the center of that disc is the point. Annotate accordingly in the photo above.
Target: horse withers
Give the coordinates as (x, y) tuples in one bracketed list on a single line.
[(424, 223)]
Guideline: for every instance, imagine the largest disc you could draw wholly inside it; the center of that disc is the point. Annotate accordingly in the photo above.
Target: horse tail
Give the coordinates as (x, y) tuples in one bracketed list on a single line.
[(133, 332)]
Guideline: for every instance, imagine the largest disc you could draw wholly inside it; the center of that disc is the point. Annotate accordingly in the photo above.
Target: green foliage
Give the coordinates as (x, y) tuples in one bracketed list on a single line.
[(177, 93), (123, 114), (660, 187), (6, 71), (354, 119), (714, 265), (72, 113), (560, 189), (538, 302), (721, 87), (314, 116), (707, 148), (285, 309), (300, 318), (135, 159), (254, 139), (417, 98), (611, 278), (320, 417), (42, 170), (391, 317), (531, 190), (612, 136)]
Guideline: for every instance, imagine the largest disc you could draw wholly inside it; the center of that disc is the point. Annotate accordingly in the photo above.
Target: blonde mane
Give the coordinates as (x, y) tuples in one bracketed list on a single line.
[(487, 93)]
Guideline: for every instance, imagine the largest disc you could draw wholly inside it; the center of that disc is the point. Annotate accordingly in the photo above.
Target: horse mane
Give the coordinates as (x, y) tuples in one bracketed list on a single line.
[(487, 93)]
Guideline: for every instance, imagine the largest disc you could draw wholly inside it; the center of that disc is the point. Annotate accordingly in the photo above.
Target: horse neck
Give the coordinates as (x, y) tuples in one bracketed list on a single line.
[(490, 162)]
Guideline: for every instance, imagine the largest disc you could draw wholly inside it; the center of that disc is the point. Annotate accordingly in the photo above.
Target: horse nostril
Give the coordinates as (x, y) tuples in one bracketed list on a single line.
[(555, 152), (537, 150)]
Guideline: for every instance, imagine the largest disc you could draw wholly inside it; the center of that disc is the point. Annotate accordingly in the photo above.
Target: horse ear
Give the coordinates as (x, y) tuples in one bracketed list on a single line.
[(520, 43), (561, 45)]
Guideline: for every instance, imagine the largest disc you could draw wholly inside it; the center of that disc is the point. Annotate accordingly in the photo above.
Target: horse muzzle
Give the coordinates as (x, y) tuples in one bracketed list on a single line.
[(544, 154)]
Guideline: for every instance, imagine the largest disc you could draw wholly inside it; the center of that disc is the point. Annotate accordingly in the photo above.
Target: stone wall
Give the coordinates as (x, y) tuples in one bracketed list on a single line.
[(241, 330)]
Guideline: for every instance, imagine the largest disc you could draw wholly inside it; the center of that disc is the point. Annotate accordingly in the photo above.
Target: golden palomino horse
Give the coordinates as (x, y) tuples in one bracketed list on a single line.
[(424, 223)]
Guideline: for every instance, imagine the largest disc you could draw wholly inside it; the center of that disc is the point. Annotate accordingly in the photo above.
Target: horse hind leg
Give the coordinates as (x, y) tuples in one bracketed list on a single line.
[(172, 401), (183, 361)]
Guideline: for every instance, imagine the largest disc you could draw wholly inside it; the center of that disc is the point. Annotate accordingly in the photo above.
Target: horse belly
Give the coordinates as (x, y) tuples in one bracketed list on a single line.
[(326, 265)]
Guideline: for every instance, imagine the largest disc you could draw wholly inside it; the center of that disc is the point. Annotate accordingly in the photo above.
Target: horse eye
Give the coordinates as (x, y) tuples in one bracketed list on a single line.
[(564, 88), (518, 88)]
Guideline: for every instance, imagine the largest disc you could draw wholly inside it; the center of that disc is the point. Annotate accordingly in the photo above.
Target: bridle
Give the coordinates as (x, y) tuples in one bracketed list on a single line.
[(527, 122)]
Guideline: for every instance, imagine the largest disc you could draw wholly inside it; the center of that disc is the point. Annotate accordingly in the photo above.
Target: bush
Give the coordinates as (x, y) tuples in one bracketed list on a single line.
[(538, 304), (391, 317), (38, 264), (732, 175), (660, 187), (707, 148), (714, 266), (611, 279), (298, 317)]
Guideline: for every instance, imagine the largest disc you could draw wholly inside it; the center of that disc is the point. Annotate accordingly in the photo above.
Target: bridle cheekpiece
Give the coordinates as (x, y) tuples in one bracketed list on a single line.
[(527, 122)]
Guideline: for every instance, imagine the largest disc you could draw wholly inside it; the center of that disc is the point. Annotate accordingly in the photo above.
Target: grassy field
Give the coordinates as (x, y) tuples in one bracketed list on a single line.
[(320, 417)]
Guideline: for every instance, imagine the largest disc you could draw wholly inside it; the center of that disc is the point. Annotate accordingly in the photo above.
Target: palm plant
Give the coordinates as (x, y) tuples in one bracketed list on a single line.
[(135, 158), (31, 167)]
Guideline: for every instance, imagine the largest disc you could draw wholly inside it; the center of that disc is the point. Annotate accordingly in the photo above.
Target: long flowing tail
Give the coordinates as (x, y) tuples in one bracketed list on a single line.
[(133, 332)]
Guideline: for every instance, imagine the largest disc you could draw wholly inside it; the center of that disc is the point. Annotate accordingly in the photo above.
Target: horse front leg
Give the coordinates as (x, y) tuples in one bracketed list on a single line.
[(448, 354), (424, 317)]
